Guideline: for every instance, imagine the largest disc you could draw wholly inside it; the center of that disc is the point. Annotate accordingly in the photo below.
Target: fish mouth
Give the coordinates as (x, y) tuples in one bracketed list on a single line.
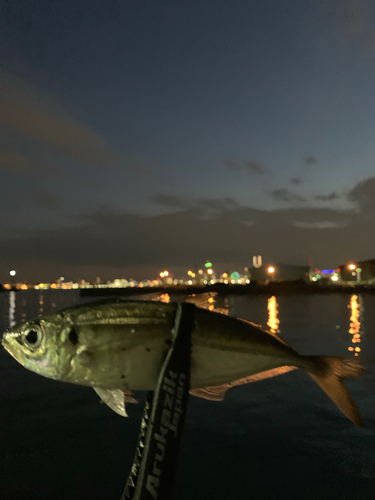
[(6, 345), (14, 348)]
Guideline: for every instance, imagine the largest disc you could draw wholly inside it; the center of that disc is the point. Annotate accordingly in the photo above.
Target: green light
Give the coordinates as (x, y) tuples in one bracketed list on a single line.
[(208, 264), (235, 275)]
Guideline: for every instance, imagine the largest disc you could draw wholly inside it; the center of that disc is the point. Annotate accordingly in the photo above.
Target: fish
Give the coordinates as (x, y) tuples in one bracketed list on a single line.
[(118, 346)]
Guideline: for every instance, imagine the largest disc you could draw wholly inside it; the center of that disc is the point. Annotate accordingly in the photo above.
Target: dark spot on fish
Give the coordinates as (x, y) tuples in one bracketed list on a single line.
[(73, 336), (148, 349), (122, 376), (123, 349), (168, 341)]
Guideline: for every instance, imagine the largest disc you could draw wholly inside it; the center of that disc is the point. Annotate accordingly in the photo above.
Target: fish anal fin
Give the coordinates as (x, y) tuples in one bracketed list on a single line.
[(214, 393), (114, 398), (217, 392)]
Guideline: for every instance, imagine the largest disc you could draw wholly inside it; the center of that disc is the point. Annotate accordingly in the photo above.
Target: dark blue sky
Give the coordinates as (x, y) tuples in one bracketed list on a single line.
[(136, 135)]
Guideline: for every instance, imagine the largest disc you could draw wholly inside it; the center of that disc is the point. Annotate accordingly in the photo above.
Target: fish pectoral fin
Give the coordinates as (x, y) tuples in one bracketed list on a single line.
[(114, 398)]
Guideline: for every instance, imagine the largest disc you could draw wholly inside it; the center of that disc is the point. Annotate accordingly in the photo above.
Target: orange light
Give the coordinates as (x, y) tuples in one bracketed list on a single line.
[(351, 267), (53, 285), (23, 287), (161, 275), (166, 273), (165, 298), (210, 271), (271, 269), (355, 323), (273, 321)]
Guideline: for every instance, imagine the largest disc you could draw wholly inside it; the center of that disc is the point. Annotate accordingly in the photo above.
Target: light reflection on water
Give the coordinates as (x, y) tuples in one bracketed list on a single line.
[(12, 309), (356, 307), (273, 310), (41, 302)]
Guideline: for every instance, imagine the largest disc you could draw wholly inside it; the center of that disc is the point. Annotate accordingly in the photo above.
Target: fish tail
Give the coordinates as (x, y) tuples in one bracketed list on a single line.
[(328, 373)]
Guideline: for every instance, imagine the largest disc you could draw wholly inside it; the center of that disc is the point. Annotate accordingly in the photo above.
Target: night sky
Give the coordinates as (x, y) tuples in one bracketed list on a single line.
[(138, 136)]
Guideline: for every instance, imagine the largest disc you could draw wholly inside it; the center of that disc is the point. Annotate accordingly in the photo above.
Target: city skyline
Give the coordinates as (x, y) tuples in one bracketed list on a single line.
[(137, 136)]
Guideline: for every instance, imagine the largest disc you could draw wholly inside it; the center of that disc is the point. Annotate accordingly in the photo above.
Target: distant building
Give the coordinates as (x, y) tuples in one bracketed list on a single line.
[(279, 272), (257, 261), (363, 271)]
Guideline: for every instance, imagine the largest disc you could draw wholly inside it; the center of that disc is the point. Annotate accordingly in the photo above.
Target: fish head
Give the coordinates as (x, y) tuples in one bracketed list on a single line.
[(45, 345)]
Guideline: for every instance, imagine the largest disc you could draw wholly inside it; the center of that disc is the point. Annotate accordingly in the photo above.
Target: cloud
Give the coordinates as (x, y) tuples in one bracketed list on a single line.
[(31, 117), (327, 197), (255, 167), (355, 21), (310, 160), (203, 207), (233, 165), (171, 201), (283, 194), (20, 164), (326, 224), (363, 194), (220, 204), (250, 166), (46, 200), (296, 180)]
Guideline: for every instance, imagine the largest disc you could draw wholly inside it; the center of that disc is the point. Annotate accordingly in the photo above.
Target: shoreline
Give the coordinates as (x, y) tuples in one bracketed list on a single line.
[(222, 289)]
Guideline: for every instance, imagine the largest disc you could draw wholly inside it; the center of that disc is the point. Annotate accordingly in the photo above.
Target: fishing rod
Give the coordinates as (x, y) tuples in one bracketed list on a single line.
[(154, 467)]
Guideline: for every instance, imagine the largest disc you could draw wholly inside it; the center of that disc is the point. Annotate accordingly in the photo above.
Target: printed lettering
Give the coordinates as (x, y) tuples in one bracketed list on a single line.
[(161, 455), (152, 484), (168, 401), (166, 417)]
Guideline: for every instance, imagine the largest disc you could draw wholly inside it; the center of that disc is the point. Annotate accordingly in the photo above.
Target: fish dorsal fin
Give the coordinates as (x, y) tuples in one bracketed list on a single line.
[(114, 398), (217, 392)]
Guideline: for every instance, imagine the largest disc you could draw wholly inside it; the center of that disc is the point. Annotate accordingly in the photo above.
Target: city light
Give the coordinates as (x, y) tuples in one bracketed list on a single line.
[(12, 273), (351, 267), (209, 271), (334, 278), (161, 275), (271, 270), (166, 273)]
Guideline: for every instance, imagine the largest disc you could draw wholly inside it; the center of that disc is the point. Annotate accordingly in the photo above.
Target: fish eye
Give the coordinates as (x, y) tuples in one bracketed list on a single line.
[(33, 338)]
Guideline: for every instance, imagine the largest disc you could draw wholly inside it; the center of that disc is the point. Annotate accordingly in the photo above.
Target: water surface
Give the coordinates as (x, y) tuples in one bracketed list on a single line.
[(275, 439)]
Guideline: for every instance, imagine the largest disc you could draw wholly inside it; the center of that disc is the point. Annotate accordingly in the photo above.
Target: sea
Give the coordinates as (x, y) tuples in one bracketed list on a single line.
[(274, 439)]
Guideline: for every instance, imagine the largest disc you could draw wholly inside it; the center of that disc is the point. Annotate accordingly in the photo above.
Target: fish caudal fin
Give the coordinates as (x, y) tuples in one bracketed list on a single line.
[(328, 374)]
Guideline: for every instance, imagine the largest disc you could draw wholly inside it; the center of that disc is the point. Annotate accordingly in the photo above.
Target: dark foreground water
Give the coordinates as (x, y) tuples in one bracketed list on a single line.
[(275, 439)]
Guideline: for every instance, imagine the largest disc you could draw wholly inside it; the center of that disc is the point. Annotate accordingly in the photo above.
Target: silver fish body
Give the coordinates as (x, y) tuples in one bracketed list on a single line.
[(122, 345)]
